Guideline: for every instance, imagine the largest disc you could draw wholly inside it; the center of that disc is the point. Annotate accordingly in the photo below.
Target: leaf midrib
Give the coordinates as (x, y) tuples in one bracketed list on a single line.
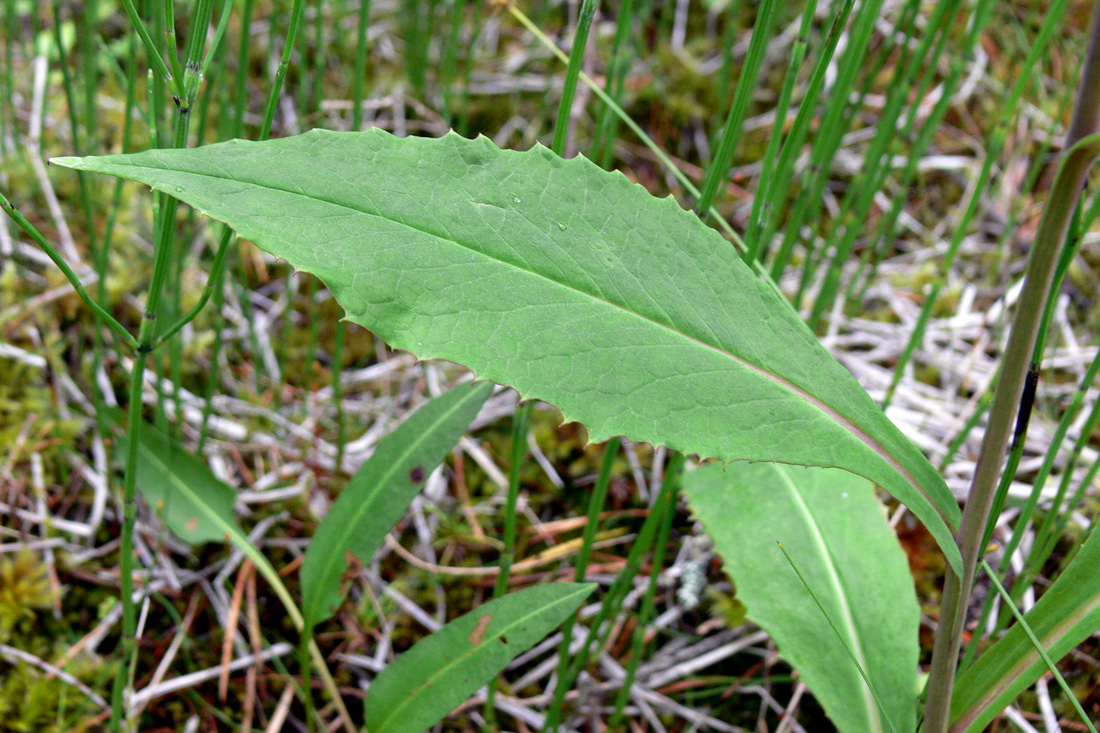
[(840, 593), (829, 411)]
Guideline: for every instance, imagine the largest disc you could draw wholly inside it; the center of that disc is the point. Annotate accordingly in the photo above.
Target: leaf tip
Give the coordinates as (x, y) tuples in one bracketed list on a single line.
[(67, 162)]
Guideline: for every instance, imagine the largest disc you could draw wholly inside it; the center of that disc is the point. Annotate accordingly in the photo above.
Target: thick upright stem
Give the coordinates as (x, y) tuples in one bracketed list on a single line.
[(1040, 270)]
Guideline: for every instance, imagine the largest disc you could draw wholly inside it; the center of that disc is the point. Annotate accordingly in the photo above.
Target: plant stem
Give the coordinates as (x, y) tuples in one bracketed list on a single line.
[(1081, 148), (54, 255)]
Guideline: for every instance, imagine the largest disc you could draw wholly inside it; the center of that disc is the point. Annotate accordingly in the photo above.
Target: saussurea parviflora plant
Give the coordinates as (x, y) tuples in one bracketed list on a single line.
[(576, 287)]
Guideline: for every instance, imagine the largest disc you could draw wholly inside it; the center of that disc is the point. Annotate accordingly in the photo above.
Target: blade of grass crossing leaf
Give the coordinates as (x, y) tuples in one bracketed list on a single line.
[(432, 678), (380, 492), (835, 524), (1038, 646), (840, 637)]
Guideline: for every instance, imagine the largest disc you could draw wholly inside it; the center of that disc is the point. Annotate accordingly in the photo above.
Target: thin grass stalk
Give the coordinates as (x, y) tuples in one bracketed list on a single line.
[(859, 198), (595, 505), (617, 592), (746, 83), (572, 72), (359, 73), (475, 29), (729, 38), (520, 421), (761, 202), (241, 79), (416, 43), (1038, 645), (280, 71), (79, 126), (1044, 545), (67, 271), (792, 146), (1081, 146), (619, 62), (833, 126), (7, 82), (993, 149), (456, 11), (645, 615)]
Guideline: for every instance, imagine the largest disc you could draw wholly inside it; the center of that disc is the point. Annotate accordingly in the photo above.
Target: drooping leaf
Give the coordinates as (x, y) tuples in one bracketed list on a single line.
[(833, 527), (195, 504), (380, 491), (562, 280), (1066, 615), (432, 678), (182, 490)]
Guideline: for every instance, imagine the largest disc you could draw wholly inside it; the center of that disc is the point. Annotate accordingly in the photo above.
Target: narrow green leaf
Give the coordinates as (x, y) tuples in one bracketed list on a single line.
[(833, 526), (562, 280), (182, 490), (380, 491), (432, 678), (195, 504), (1067, 614)]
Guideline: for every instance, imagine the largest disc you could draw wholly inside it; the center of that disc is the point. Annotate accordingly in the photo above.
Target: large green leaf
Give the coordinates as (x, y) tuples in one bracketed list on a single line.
[(1066, 615), (432, 678), (380, 491), (567, 282), (833, 527)]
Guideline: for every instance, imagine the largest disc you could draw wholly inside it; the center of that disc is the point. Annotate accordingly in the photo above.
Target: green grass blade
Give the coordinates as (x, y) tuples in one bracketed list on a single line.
[(1066, 615), (560, 279), (832, 521), (731, 133), (432, 678), (380, 492)]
